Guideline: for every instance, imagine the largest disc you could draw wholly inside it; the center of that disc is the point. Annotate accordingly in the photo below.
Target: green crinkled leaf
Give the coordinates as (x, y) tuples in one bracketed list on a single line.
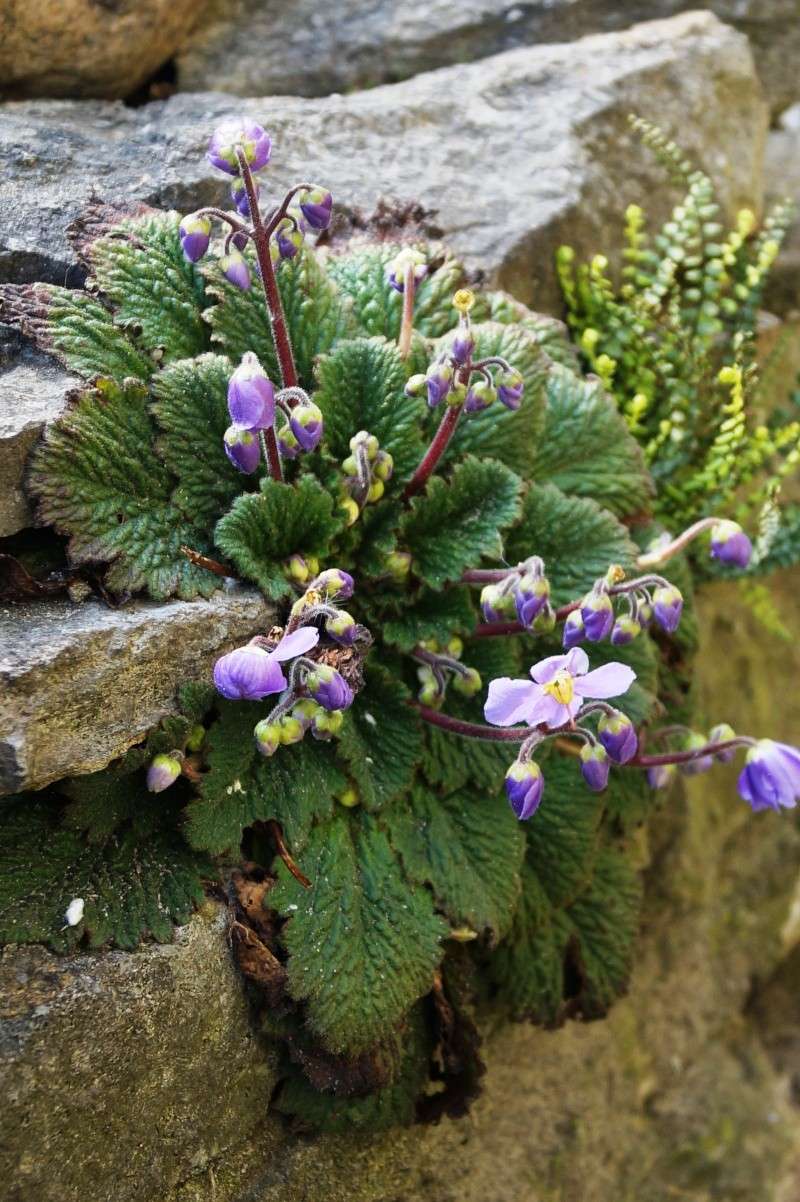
[(363, 944), (76, 328), (317, 315), (552, 335), (575, 537), (263, 529), (457, 521), (192, 411), (377, 528), (135, 883), (587, 449), (562, 835), (99, 480), (528, 966), (435, 616), (468, 847), (392, 1106), (628, 799), (154, 289), (361, 386), (605, 920), (103, 801), (505, 435), (381, 739)]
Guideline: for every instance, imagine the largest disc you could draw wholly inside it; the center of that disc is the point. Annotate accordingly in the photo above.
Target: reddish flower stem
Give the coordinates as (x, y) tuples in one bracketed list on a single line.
[(407, 325), (685, 757), (434, 452), (471, 730)]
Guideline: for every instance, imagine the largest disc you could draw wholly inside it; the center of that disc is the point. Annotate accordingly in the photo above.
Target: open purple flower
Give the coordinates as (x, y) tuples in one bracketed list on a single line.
[(524, 788), (730, 544), (250, 673), (560, 685), (771, 776), (251, 395), (250, 137)]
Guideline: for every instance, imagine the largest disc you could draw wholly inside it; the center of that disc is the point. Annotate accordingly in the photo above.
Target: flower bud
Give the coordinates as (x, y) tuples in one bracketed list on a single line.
[(618, 736), (416, 385), (164, 770), (195, 235), (343, 628), (574, 631), (439, 379), (288, 445), (375, 491), (351, 510), (530, 597), (431, 693), (594, 766), (368, 442), (730, 544), (661, 775), (196, 737), (297, 569), (644, 613), (455, 647), (399, 266), (457, 395), (349, 797), (626, 628), (496, 603), (234, 267), (268, 737), (667, 607), (383, 468), (251, 395), (463, 345), (510, 387), (598, 616), (702, 763), (326, 724), (315, 205), (288, 240), (524, 788), (305, 711), (242, 448), (468, 684), (249, 137), (398, 565), (721, 734), (335, 583), (239, 196), (329, 688), (480, 395), (306, 424), (545, 620)]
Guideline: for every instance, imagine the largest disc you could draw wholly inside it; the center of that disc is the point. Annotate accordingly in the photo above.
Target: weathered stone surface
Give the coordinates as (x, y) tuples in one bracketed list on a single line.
[(33, 389), (137, 1075), (782, 182), (516, 153), (85, 48), (254, 48), (79, 684)]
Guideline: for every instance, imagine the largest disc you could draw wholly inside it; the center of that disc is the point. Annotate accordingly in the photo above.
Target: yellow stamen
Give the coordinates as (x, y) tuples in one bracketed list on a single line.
[(562, 687)]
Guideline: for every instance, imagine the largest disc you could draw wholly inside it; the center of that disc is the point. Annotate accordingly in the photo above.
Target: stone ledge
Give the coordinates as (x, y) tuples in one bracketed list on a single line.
[(83, 683)]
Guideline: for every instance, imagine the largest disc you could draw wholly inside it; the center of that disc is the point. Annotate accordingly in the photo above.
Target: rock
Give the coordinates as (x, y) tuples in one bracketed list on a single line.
[(516, 153), (33, 391), (85, 48), (83, 683), (782, 182), (256, 49)]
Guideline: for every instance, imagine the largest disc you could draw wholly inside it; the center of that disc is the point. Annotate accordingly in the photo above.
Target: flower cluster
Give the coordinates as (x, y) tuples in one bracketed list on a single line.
[(438, 664), (253, 404), (524, 593), (367, 471)]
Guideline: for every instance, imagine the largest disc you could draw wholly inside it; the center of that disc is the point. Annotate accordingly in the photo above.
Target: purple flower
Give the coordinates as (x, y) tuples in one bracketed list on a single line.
[(497, 603), (771, 776), (316, 205), (251, 395), (195, 234), (242, 448), (234, 267), (288, 240), (617, 734), (598, 616), (510, 387), (626, 628), (250, 673), (397, 269), (463, 345), (342, 627), (335, 583), (530, 597), (239, 196), (594, 766), (329, 688), (703, 762), (660, 775), (667, 607), (480, 396), (524, 788), (439, 380), (560, 685), (163, 772), (288, 445), (247, 135), (722, 733), (306, 424), (574, 631), (730, 544)]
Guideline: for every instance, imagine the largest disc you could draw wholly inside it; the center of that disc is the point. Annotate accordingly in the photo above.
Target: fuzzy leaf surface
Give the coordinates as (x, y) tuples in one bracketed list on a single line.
[(432, 616), (605, 919), (528, 966), (562, 835), (456, 522), (552, 336), (363, 944), (381, 739)]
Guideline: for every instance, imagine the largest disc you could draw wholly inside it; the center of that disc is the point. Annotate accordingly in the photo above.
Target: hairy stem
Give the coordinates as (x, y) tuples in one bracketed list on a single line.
[(471, 730), (685, 757), (407, 325), (434, 452), (652, 559)]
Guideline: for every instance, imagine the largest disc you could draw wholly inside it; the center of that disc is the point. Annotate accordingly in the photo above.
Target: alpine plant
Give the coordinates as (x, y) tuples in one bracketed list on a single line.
[(419, 774)]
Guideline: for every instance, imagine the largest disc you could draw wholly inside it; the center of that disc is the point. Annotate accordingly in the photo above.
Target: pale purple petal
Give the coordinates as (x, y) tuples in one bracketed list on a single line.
[(546, 669), (609, 681), (297, 643), (509, 701), (577, 661), (548, 711), (790, 763)]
